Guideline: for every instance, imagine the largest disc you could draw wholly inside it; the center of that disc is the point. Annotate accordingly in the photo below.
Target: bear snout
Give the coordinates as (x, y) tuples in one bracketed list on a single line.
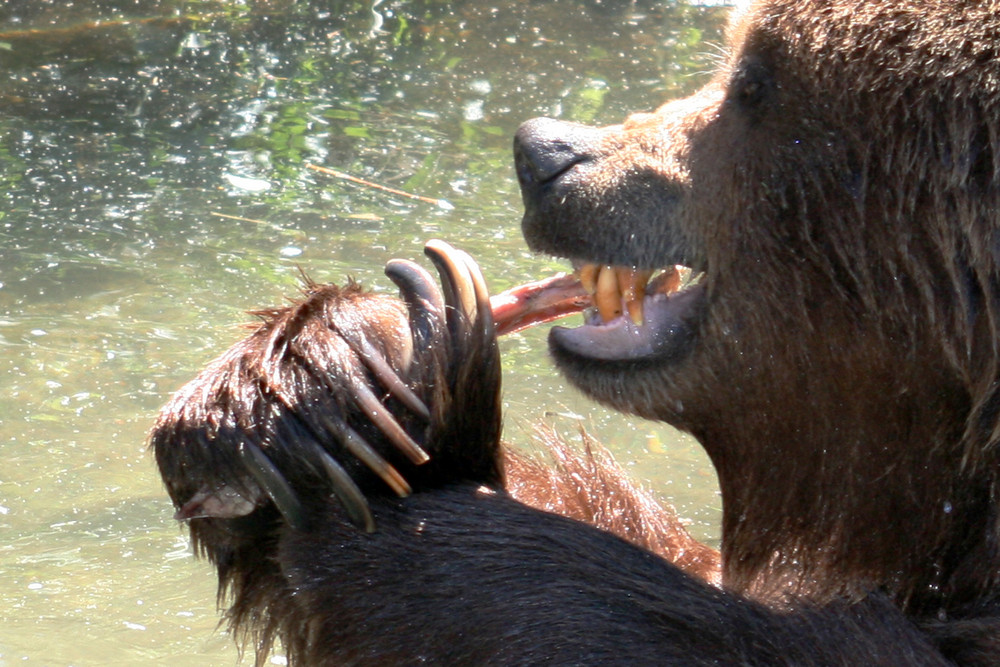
[(600, 194), (545, 148)]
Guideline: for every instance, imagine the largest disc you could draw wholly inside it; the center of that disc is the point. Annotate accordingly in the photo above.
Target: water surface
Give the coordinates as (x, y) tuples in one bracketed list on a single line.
[(155, 185)]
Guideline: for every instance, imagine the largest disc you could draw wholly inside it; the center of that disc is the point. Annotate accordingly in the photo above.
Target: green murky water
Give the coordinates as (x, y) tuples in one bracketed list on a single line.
[(155, 185)]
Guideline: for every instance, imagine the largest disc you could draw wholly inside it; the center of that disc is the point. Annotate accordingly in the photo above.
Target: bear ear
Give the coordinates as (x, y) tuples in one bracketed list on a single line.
[(751, 86)]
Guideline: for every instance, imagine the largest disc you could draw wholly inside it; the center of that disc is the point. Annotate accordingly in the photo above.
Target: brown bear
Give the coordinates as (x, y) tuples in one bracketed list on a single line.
[(288, 457), (835, 192)]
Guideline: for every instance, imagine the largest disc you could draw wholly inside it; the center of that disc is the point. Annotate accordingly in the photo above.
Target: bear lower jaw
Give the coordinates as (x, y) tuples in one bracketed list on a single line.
[(625, 318), (667, 330)]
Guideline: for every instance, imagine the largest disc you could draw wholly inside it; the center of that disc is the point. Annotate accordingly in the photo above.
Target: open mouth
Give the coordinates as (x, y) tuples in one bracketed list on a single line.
[(629, 314), (616, 291)]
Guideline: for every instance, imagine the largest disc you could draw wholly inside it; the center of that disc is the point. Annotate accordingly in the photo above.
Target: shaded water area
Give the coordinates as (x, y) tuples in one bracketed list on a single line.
[(155, 184)]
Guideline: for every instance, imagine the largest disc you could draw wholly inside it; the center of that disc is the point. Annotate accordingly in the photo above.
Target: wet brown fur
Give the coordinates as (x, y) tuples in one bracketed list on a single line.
[(459, 572), (591, 487), (282, 389), (278, 389), (839, 184)]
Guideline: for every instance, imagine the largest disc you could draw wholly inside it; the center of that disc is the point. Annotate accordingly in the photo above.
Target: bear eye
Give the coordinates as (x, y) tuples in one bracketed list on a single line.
[(751, 85)]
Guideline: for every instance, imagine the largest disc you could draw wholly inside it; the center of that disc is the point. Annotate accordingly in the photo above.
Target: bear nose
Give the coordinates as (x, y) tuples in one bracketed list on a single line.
[(544, 148)]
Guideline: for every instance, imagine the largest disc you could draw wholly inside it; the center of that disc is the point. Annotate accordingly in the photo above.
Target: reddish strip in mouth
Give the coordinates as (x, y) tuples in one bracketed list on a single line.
[(538, 302), (613, 290)]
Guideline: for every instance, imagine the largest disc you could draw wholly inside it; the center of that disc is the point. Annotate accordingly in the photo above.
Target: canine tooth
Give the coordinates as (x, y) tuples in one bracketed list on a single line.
[(588, 277), (634, 311), (633, 288), (626, 282), (608, 297)]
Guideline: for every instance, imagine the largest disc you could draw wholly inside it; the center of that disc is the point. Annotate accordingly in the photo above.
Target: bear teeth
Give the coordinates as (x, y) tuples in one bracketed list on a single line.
[(617, 289)]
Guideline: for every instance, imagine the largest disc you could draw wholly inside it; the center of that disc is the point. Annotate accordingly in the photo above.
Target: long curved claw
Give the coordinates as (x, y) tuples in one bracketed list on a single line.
[(360, 448), (347, 491), (457, 310), (367, 455), (377, 364), (387, 423), (274, 483), (422, 296), (470, 430), (457, 283), (482, 294)]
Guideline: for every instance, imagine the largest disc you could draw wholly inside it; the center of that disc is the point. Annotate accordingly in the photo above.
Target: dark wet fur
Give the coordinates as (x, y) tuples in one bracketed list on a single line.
[(462, 577), (590, 486), (458, 573), (287, 389)]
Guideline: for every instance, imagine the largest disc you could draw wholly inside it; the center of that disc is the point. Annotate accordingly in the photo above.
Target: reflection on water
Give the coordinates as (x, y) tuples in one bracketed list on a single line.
[(155, 185)]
